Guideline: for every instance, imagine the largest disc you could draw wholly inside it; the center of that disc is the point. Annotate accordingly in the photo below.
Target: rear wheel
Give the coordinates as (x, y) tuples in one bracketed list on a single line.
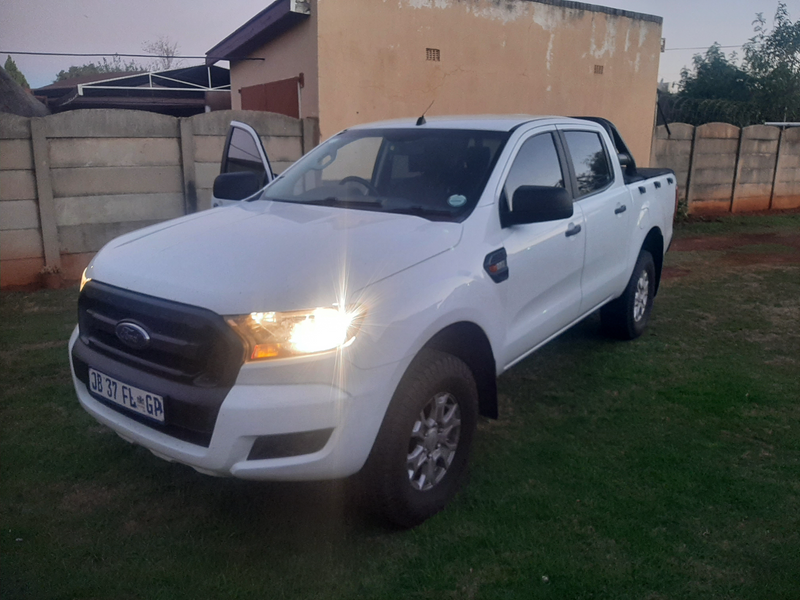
[(420, 455), (627, 316)]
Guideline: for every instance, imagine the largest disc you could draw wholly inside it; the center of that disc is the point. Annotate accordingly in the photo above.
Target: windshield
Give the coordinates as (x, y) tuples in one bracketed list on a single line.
[(438, 174)]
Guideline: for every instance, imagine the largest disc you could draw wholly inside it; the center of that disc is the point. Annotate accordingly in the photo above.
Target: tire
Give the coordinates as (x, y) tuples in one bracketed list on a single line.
[(626, 317), (419, 459)]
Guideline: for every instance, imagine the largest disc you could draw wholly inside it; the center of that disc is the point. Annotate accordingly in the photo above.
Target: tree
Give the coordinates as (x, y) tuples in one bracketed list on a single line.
[(15, 73), (714, 76), (115, 65), (773, 59), (714, 90), (766, 87), (164, 52)]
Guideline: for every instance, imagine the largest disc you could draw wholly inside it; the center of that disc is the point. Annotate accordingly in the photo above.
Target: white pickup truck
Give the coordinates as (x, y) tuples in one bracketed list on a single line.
[(352, 316)]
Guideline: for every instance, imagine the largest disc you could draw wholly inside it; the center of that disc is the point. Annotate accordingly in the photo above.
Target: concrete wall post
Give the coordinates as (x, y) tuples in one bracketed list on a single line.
[(310, 134), (775, 171), (187, 160), (47, 207)]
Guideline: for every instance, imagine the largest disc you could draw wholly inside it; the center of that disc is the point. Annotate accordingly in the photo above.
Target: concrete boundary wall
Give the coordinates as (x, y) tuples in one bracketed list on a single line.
[(71, 182), (786, 191), (722, 168)]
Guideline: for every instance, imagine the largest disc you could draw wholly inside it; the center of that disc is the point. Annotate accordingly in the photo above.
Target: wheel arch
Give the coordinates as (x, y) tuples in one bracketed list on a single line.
[(654, 244), (469, 343)]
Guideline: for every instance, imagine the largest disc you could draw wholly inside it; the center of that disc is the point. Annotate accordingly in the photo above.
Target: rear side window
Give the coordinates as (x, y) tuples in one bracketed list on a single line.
[(590, 161)]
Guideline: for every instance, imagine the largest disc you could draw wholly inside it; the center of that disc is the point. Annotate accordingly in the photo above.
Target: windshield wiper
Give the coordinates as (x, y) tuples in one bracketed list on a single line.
[(346, 202), (420, 211)]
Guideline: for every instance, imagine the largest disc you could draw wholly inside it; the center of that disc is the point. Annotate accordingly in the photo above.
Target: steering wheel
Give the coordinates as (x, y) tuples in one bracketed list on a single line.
[(360, 181)]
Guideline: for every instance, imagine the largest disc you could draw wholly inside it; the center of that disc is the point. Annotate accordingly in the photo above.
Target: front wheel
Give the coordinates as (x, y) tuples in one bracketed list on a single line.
[(420, 455), (627, 317)]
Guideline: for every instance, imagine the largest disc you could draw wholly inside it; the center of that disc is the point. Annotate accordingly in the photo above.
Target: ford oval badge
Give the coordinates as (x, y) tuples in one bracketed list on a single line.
[(132, 335)]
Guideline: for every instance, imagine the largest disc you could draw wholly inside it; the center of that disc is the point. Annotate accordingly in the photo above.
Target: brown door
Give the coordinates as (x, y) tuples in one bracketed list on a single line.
[(280, 97)]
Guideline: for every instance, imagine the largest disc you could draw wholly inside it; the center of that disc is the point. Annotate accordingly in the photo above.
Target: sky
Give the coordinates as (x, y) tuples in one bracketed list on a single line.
[(112, 26)]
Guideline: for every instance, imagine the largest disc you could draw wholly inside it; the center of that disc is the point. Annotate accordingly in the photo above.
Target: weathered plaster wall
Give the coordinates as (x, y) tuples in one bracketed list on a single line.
[(287, 56), (513, 56)]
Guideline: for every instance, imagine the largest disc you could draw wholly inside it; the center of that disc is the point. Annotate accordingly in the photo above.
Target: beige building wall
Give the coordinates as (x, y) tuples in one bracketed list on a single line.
[(366, 60), (496, 57), (286, 56)]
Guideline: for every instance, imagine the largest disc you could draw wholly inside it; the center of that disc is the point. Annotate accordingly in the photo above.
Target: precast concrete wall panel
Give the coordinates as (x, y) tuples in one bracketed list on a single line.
[(673, 150), (17, 184), (21, 249), (85, 177), (16, 155), (111, 123), (755, 172), (84, 210), (764, 160), (92, 181), (713, 169), (18, 214), (787, 172), (112, 152), (208, 148)]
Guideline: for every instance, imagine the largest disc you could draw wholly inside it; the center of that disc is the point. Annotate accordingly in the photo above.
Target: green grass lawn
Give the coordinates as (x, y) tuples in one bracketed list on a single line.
[(667, 467)]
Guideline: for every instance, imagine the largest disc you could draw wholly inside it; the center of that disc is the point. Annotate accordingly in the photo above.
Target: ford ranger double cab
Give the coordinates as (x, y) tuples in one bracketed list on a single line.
[(351, 315)]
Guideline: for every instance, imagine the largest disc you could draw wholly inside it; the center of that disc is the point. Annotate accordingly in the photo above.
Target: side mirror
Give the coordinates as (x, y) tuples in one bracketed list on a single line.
[(236, 186), (537, 204)]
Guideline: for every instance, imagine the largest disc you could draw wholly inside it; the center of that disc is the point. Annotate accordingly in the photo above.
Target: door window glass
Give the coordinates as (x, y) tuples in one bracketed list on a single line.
[(243, 154), (536, 163), (589, 158)]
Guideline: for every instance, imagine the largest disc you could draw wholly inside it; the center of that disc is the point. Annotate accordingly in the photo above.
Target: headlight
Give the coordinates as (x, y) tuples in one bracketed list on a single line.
[(296, 333)]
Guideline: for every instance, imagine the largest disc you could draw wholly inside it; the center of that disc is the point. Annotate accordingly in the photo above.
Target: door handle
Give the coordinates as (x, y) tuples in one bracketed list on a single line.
[(573, 230), (620, 209)]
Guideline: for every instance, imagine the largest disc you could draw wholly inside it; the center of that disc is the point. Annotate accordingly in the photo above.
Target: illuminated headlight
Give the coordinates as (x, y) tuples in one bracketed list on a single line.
[(296, 333), (84, 279)]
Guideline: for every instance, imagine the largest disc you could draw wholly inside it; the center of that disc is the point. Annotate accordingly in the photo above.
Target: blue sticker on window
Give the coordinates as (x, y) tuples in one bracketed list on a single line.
[(457, 200)]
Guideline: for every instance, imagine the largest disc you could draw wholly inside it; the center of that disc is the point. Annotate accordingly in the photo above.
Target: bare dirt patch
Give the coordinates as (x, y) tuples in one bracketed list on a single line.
[(730, 242), (782, 248)]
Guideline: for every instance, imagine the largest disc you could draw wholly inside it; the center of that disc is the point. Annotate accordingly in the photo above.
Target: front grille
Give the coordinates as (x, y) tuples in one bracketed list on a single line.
[(192, 358), (188, 344)]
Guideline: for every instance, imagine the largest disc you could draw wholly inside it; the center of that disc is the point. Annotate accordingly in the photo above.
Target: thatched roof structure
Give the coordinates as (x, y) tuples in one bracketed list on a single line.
[(15, 100)]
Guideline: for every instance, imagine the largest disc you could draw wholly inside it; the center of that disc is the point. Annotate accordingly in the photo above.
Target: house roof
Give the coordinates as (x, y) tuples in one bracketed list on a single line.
[(282, 15), (94, 77), (177, 91), (278, 17), (185, 78)]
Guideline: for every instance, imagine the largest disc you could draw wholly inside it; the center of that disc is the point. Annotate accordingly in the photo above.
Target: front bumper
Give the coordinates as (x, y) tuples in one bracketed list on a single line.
[(252, 410)]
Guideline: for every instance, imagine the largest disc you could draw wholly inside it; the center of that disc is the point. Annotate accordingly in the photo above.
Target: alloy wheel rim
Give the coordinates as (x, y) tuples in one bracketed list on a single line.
[(434, 441), (641, 296)]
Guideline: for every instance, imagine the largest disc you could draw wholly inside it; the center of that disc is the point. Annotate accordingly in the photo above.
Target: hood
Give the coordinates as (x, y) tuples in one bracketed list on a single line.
[(269, 256)]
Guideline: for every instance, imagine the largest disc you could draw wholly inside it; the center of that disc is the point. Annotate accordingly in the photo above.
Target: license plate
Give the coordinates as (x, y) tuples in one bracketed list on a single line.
[(138, 400)]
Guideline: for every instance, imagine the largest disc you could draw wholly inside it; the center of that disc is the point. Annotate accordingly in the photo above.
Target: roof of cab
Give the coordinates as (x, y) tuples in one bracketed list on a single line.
[(482, 122)]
